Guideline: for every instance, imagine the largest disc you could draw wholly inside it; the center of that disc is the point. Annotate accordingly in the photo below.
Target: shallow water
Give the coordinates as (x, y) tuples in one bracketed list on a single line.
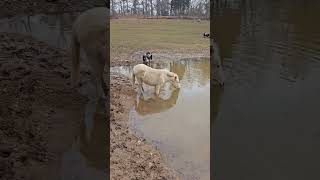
[(87, 157), (54, 29), (178, 122), (267, 116)]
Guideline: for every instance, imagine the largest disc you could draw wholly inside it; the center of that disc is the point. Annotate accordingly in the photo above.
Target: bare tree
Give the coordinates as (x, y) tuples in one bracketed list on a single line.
[(158, 7), (199, 8), (151, 8), (127, 7), (134, 6), (146, 7)]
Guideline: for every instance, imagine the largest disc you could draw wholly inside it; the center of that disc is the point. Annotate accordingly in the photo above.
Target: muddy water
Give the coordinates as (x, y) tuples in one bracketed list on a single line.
[(54, 29), (178, 122), (267, 116), (87, 156)]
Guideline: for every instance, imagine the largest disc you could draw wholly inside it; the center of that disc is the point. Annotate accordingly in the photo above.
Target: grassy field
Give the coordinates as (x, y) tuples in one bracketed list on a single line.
[(131, 35)]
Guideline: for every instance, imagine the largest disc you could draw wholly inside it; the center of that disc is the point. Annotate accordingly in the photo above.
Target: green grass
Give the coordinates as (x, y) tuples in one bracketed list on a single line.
[(131, 35)]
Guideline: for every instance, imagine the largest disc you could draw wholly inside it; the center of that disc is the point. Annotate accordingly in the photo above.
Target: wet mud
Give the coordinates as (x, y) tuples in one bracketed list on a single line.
[(37, 106)]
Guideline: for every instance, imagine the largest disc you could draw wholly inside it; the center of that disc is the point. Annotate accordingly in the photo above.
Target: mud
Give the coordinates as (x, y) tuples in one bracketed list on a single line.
[(37, 106), (39, 109), (161, 56)]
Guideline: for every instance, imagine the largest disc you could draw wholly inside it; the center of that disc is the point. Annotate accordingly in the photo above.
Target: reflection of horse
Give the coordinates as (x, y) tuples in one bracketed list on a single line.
[(93, 138), (217, 93), (156, 105), (89, 33), (218, 74)]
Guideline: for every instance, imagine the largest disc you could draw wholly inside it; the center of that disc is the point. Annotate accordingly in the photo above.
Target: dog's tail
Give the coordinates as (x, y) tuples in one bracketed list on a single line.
[(75, 54)]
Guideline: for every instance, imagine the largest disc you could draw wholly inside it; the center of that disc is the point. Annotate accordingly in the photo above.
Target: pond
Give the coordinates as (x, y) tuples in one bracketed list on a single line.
[(178, 121), (266, 120), (54, 29)]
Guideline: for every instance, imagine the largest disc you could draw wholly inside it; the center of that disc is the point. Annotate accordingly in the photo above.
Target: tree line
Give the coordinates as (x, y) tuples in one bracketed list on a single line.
[(195, 8)]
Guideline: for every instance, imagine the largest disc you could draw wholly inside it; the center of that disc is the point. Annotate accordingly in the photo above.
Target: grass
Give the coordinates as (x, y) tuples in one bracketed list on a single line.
[(131, 35)]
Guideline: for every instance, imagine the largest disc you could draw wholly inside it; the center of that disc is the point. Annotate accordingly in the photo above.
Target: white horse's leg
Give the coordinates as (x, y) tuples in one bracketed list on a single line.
[(97, 67), (140, 82), (157, 89)]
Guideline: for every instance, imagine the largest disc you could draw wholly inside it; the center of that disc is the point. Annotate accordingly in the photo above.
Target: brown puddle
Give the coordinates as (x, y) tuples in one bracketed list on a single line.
[(178, 122)]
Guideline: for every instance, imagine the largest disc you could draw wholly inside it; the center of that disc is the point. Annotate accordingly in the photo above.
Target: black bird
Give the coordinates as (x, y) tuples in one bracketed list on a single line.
[(206, 35)]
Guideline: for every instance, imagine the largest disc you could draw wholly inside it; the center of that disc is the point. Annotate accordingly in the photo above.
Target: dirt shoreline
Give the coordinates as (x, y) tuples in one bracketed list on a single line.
[(37, 106), (159, 56)]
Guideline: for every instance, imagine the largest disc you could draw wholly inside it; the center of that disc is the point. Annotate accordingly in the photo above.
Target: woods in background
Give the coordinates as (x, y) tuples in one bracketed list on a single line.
[(150, 8)]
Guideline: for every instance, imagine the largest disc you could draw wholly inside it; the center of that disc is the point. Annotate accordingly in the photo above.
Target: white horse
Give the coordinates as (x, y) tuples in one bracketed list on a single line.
[(154, 77), (90, 33)]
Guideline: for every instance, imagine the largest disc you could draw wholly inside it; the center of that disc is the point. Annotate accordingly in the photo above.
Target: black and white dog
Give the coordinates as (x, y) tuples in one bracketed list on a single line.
[(147, 58), (206, 35)]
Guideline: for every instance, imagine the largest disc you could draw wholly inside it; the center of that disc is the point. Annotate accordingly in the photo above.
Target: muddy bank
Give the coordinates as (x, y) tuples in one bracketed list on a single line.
[(39, 115), (159, 55), (15, 7), (39, 112), (131, 157)]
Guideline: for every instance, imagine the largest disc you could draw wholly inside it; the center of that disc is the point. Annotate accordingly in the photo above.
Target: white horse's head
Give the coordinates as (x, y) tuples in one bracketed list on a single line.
[(174, 79)]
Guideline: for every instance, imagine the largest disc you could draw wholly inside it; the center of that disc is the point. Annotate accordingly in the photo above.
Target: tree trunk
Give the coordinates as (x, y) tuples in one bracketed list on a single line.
[(143, 7), (112, 7), (146, 7), (158, 7), (127, 7), (151, 13)]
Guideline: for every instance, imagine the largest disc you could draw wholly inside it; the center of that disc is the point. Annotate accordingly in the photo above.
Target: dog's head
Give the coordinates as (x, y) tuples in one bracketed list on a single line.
[(174, 79), (149, 55)]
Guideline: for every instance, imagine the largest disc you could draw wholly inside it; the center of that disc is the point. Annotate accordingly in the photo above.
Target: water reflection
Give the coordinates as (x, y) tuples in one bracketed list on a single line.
[(265, 125), (156, 104), (217, 92), (88, 157), (170, 122), (54, 29), (93, 137)]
